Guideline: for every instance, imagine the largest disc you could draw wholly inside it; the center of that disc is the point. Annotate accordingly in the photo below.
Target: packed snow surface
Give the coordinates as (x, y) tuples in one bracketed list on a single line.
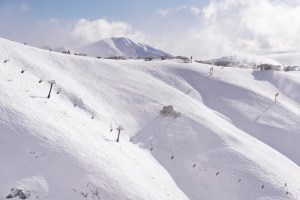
[(232, 141)]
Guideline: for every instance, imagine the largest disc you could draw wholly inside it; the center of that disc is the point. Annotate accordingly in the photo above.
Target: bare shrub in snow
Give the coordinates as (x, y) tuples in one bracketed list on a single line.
[(5, 60), (291, 68), (67, 52), (116, 57), (183, 58), (166, 57), (148, 58), (18, 193), (80, 54), (169, 112), (222, 63), (269, 67)]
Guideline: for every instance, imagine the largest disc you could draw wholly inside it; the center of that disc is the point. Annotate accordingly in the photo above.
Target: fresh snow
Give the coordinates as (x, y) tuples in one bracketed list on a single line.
[(231, 141)]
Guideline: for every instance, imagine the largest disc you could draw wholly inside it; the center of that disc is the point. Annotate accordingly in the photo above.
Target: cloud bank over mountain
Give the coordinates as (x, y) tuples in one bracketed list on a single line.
[(232, 26), (214, 29), (88, 31)]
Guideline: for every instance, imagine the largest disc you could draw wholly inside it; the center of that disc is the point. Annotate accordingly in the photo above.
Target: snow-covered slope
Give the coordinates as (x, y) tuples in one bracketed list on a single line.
[(120, 47), (232, 141)]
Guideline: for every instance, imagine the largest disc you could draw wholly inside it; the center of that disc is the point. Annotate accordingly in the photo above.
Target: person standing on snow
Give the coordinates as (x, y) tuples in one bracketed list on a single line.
[(276, 96), (211, 71)]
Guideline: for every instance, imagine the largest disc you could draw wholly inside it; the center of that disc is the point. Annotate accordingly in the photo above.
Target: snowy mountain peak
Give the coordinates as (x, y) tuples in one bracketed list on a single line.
[(121, 46)]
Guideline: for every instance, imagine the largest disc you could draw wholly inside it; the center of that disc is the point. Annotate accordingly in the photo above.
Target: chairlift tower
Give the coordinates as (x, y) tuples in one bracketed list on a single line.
[(52, 83)]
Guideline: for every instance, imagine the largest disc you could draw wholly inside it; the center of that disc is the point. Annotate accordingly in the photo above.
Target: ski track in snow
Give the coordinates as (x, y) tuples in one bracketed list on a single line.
[(232, 141)]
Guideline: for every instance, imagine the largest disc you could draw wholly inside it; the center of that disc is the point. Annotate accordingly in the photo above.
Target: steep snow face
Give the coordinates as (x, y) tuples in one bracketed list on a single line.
[(121, 47), (231, 141)]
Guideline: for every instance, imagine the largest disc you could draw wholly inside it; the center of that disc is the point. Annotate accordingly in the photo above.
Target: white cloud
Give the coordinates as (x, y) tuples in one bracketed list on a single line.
[(163, 12), (225, 27), (275, 26), (189, 9), (7, 9), (195, 11), (53, 20), (86, 31), (255, 25)]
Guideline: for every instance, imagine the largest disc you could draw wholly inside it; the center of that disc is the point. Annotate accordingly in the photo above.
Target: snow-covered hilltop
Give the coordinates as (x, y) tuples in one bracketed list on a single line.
[(240, 61), (226, 138), (287, 61), (120, 47), (286, 58)]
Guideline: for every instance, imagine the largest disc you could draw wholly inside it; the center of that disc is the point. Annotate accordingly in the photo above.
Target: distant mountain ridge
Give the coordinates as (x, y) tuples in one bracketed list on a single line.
[(120, 47), (240, 61)]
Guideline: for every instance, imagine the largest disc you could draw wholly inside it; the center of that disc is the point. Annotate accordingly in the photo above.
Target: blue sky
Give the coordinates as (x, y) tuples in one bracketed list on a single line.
[(21, 19), (203, 28), (113, 9)]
